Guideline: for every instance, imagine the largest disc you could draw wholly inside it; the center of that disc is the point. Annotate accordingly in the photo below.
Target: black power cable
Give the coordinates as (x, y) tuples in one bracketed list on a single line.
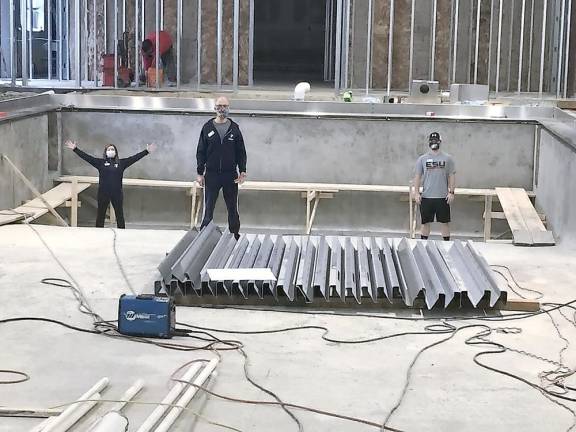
[(236, 345), (23, 376), (49, 320)]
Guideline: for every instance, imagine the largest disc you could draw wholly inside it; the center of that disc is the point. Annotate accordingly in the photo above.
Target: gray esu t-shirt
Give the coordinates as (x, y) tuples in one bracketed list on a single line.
[(434, 170)]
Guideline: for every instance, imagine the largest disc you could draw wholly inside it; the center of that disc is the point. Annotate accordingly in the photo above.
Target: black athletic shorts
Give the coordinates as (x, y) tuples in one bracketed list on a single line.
[(434, 209)]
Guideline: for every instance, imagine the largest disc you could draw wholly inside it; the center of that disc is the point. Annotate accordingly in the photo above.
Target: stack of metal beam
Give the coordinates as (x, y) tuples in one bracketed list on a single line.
[(367, 270)]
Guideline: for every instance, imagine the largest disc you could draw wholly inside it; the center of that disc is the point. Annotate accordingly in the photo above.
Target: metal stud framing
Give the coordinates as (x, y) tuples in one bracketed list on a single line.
[(339, 32)]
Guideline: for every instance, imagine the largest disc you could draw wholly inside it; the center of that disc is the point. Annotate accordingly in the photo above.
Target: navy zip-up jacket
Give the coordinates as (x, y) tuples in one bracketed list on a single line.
[(215, 155), (110, 171)]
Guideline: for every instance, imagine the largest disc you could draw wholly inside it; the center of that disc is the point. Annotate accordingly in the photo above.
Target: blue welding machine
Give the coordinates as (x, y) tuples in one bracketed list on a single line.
[(146, 315)]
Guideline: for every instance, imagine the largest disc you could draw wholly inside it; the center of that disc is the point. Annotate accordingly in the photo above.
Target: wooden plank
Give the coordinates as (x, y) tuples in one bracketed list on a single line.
[(282, 186), (74, 208), (543, 238), (520, 231), (501, 215), (193, 209), (35, 191), (566, 104), (132, 182), (531, 218), (309, 197), (521, 305), (487, 217), (533, 232), (522, 238), (511, 210), (323, 195), (36, 208), (112, 214), (198, 207), (7, 218), (410, 211)]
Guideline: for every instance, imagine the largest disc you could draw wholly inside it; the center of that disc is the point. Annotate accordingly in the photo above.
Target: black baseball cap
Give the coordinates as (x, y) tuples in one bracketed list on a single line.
[(434, 136)]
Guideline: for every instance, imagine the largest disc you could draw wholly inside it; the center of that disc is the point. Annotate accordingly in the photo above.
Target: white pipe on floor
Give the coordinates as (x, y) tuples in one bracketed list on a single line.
[(44, 424), (169, 399), (129, 395), (70, 411), (75, 416), (169, 420), (111, 422)]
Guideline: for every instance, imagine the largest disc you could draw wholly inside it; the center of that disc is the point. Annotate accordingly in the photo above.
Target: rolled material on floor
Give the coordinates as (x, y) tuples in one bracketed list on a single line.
[(169, 399), (70, 412), (169, 420)]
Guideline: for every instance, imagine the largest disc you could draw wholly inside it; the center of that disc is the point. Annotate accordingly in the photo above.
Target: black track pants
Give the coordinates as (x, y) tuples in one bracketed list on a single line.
[(104, 201), (213, 183)]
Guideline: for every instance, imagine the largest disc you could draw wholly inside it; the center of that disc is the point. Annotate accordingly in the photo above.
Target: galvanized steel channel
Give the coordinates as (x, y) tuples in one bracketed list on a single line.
[(310, 269)]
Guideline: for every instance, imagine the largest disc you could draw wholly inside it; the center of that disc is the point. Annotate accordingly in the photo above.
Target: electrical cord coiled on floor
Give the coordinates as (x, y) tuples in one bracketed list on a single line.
[(24, 376)]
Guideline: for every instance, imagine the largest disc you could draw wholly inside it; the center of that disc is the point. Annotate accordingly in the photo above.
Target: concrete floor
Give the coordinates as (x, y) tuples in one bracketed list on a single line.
[(447, 391)]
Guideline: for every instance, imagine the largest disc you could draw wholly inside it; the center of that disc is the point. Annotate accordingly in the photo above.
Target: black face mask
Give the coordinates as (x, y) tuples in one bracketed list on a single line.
[(434, 145)]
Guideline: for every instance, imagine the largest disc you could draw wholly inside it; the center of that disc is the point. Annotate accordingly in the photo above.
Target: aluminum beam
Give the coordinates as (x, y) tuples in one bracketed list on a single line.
[(356, 270)]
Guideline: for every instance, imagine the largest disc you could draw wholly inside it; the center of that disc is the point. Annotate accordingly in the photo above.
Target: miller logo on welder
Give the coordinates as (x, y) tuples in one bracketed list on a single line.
[(146, 315)]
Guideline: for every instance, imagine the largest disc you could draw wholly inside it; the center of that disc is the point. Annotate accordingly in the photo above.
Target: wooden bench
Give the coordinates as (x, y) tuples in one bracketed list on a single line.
[(486, 194), (525, 223), (311, 192)]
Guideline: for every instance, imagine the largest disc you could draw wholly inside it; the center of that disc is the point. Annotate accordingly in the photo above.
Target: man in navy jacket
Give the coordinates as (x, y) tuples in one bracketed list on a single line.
[(221, 164)]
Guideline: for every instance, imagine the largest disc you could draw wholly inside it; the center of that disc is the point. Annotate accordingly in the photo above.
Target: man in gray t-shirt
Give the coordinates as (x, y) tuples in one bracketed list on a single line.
[(436, 172)]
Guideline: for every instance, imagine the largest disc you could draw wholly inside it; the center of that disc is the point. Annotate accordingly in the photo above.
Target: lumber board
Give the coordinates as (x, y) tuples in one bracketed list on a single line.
[(531, 218), (7, 218), (36, 208), (521, 305), (520, 232), (501, 215), (522, 237), (282, 186), (525, 223), (131, 182), (381, 304), (511, 209), (543, 238)]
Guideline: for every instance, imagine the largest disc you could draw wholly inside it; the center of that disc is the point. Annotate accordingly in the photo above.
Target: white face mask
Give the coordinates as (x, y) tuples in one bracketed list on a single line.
[(110, 153)]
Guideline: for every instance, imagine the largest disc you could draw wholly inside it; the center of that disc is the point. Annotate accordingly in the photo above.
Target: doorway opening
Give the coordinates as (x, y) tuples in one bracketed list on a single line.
[(292, 42)]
